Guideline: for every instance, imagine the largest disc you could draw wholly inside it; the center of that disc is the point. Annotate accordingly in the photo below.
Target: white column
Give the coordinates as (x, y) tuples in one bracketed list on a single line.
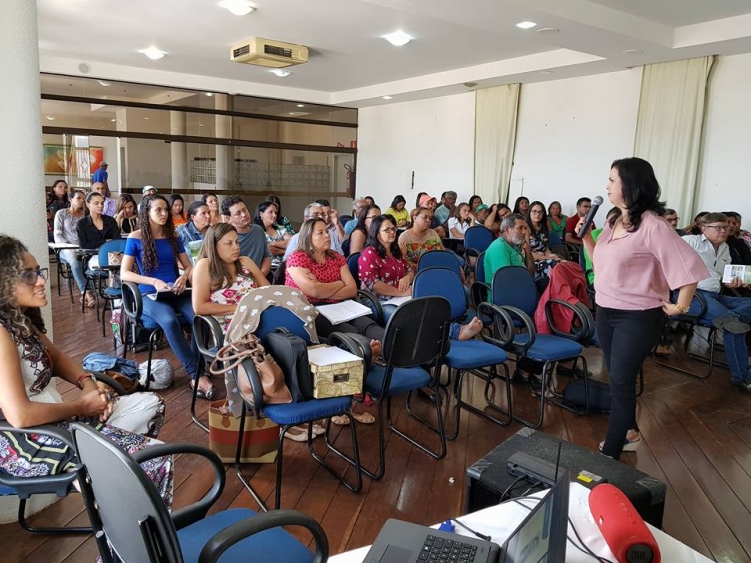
[(22, 187), (224, 161), (21, 140), (180, 172)]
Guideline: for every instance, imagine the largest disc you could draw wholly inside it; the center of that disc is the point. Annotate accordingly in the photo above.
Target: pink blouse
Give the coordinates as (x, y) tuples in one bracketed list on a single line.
[(372, 268), (326, 272), (637, 271)]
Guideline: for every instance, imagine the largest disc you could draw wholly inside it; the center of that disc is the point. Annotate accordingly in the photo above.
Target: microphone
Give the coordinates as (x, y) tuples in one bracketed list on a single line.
[(596, 203), (624, 530)]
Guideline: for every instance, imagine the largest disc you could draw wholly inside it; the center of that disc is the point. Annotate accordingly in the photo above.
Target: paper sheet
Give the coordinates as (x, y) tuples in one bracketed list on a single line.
[(328, 355), (397, 300), (737, 271), (343, 311)]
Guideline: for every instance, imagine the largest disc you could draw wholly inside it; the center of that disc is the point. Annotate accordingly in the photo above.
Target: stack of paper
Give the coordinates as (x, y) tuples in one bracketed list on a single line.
[(343, 311)]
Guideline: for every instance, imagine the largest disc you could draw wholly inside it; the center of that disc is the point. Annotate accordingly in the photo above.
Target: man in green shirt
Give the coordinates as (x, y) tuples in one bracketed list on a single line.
[(511, 248)]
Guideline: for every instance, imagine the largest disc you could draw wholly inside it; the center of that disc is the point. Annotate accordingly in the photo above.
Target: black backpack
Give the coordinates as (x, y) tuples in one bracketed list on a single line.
[(291, 353)]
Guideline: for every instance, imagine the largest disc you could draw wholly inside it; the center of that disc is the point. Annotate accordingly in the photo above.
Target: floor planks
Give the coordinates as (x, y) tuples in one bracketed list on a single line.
[(696, 434)]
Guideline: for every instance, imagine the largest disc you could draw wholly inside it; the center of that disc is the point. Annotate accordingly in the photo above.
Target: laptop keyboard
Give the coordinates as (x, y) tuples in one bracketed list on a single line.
[(440, 549)]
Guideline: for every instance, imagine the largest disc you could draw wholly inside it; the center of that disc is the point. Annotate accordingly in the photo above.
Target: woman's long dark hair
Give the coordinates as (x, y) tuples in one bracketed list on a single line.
[(218, 271), (543, 222), (262, 207), (472, 200), (640, 190), (397, 200), (273, 198), (19, 324), (375, 227), (516, 205), (362, 216), (149, 260), (64, 199)]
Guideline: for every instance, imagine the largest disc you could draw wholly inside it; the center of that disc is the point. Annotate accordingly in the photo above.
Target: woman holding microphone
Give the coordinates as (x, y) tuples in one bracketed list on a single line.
[(637, 260)]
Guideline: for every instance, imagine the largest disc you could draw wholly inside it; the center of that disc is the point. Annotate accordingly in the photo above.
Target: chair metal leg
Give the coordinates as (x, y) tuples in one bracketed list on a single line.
[(687, 341), (547, 369), (52, 531), (353, 461), (557, 399), (440, 430), (193, 415), (238, 465)]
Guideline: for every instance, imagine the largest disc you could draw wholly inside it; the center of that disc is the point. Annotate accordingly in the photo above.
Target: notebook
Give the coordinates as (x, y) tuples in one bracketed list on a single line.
[(541, 537)]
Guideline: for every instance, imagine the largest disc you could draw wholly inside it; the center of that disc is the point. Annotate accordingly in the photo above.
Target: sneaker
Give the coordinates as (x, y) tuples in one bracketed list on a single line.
[(743, 385), (731, 324)]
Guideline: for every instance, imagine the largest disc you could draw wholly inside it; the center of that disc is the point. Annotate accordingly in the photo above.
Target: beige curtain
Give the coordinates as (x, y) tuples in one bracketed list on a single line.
[(495, 138), (669, 126)]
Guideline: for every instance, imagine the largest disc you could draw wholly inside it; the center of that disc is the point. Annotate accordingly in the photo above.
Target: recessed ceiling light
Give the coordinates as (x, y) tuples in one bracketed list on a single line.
[(548, 30), (398, 38), (113, 120), (153, 53), (105, 83), (633, 52), (386, 97), (526, 25), (146, 118), (301, 105), (209, 94), (49, 118), (237, 7), (200, 124), (280, 72)]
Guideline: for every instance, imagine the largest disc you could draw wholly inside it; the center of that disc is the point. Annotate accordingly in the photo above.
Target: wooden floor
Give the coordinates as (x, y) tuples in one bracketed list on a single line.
[(696, 434)]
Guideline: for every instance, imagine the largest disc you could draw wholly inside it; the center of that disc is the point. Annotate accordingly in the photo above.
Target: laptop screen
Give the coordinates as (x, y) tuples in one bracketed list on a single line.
[(541, 537)]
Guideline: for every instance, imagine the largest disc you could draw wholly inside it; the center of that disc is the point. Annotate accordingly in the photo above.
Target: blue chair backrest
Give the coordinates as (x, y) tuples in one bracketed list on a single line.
[(442, 282), (478, 238), (354, 269), (438, 259), (514, 286), (345, 247), (275, 317), (117, 245), (480, 267), (554, 239)]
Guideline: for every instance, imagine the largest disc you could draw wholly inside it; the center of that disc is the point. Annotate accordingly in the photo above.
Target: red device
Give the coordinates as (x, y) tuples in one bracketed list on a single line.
[(623, 529)]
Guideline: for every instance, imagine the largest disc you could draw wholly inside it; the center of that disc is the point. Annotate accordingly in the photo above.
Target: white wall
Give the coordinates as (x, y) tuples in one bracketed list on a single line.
[(568, 133), (723, 183), (434, 138)]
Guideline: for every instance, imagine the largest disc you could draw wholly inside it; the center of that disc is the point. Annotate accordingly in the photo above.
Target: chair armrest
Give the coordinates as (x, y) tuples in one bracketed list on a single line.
[(107, 380), (132, 300), (583, 334), (222, 541), (528, 324), (503, 325), (692, 317), (203, 327), (479, 293), (370, 300), (255, 385), (198, 510)]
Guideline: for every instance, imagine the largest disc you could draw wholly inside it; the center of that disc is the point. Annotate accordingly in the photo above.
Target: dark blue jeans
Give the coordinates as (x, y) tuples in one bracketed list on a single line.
[(735, 344), (626, 338), (164, 313)]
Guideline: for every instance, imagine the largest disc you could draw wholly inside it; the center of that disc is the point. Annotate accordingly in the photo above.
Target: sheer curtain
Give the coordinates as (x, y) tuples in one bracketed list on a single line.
[(669, 126), (495, 137)]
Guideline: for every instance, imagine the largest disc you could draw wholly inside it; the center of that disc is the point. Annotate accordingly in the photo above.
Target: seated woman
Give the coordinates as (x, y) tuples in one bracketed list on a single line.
[(359, 235), (213, 202), (281, 221), (399, 212), (521, 206), (221, 276), (29, 361), (276, 237), (191, 233), (474, 202), (158, 251), (177, 209), (462, 220), (323, 277), (97, 228), (382, 268), (58, 199), (420, 238), (126, 218), (66, 232), (545, 260), (556, 219)]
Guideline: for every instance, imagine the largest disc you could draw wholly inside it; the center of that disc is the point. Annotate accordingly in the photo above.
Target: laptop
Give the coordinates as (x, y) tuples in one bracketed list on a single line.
[(540, 538)]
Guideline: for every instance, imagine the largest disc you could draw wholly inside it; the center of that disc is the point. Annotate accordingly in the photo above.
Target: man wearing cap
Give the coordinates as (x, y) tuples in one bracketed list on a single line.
[(101, 175), (429, 202), (145, 191), (252, 237)]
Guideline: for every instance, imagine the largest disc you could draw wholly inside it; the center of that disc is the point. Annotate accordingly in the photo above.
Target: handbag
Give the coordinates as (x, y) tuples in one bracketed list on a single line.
[(231, 357), (260, 436)]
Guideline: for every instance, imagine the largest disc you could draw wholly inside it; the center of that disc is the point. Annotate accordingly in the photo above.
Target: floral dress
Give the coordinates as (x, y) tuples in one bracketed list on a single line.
[(372, 268), (538, 242), (33, 455), (280, 232), (231, 295)]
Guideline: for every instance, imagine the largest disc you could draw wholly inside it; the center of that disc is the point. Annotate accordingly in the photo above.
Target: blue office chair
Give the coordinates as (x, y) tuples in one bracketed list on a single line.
[(416, 336), (467, 356), (554, 239), (209, 338), (364, 296), (477, 239), (438, 259), (513, 291), (132, 521), (100, 277), (293, 414)]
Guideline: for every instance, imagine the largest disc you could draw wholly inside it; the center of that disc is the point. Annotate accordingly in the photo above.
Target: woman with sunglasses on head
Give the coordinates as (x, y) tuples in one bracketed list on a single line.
[(158, 251), (29, 361)]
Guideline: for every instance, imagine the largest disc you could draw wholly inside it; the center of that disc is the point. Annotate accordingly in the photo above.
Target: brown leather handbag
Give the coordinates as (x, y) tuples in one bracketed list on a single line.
[(231, 357)]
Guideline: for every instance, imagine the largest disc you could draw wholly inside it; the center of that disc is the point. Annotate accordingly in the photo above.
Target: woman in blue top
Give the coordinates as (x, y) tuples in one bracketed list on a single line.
[(158, 251)]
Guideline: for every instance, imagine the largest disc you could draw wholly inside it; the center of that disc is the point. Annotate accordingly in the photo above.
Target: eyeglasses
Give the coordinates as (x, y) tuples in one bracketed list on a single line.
[(388, 230), (30, 277), (537, 211), (717, 227), (371, 216)]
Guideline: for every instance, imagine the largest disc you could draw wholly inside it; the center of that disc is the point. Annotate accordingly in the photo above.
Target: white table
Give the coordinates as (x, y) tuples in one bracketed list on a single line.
[(499, 521)]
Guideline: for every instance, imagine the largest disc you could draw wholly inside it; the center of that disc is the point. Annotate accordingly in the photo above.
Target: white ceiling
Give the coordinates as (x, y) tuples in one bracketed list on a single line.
[(454, 42)]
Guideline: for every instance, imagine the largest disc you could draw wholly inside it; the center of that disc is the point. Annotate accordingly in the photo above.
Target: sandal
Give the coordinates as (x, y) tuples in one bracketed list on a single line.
[(340, 420), (201, 394), (363, 417), (297, 434), (318, 429)]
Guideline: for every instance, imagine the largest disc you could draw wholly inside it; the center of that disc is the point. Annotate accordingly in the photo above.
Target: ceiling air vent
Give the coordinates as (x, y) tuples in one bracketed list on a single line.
[(268, 53)]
